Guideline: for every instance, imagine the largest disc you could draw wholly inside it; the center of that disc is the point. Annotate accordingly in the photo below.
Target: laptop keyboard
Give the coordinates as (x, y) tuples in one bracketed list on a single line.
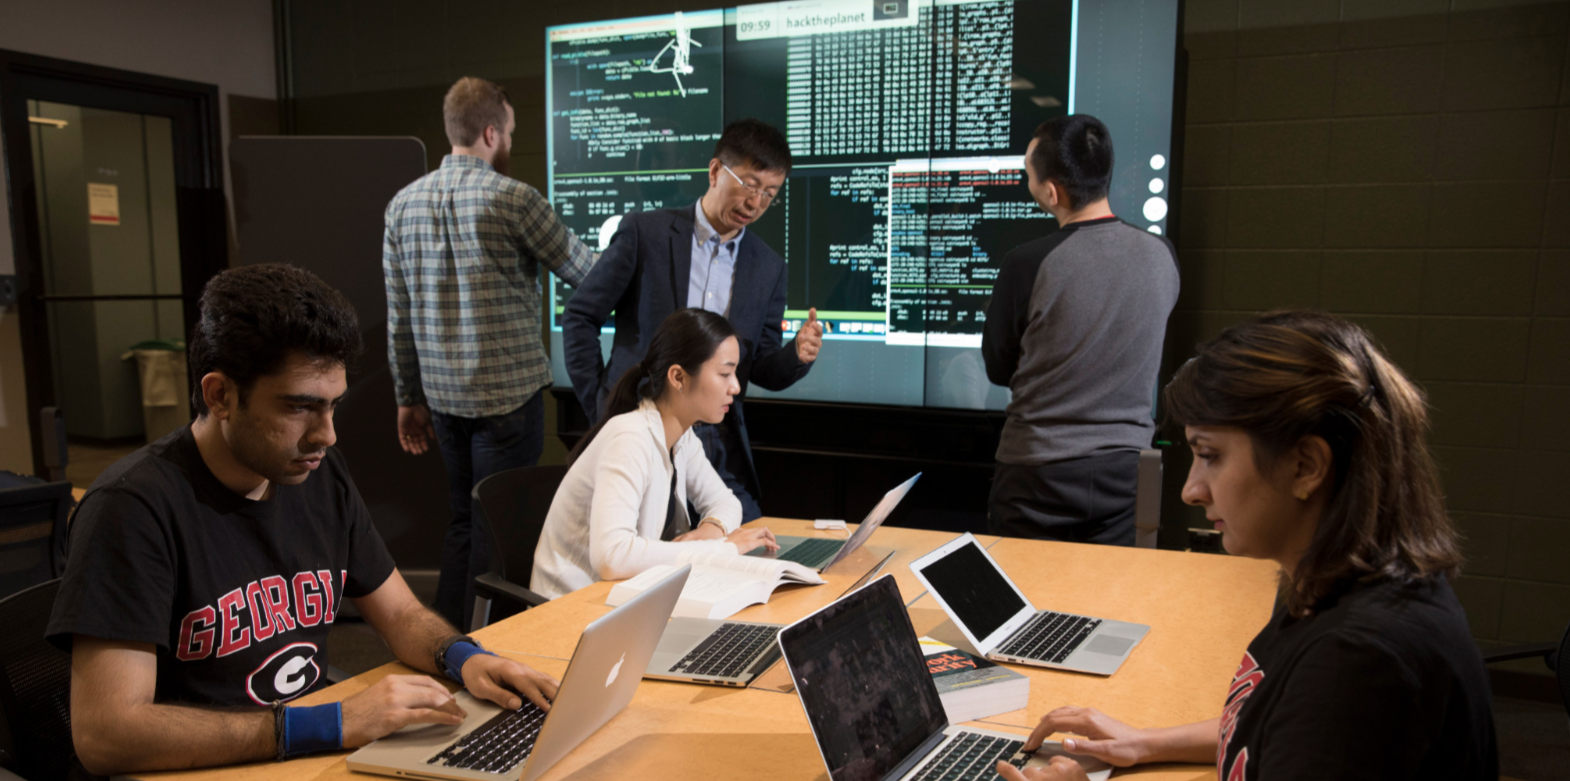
[(971, 757), (499, 745), (1049, 637), (812, 552), (725, 653)]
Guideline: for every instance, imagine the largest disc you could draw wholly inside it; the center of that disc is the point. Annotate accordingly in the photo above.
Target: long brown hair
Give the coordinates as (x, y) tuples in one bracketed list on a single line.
[(687, 338), (1292, 374)]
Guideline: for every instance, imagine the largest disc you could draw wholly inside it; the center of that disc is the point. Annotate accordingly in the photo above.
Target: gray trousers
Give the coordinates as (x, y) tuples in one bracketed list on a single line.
[(1079, 500)]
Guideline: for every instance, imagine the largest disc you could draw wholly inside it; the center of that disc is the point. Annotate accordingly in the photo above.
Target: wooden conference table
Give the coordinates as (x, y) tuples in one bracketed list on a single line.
[(1202, 610)]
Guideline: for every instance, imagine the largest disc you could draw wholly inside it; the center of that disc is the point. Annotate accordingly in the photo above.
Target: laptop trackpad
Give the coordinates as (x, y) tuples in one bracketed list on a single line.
[(1109, 645)]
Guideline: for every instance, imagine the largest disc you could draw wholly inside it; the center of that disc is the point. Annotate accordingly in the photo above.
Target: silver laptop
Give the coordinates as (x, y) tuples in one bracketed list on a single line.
[(820, 553), (873, 707), (1002, 625), (725, 653), (497, 743)]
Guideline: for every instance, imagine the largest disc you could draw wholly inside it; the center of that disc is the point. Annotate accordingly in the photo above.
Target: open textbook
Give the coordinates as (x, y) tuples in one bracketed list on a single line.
[(721, 584)]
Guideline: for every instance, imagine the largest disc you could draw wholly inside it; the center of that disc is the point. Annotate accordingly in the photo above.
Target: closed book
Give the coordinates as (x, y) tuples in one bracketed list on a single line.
[(972, 687)]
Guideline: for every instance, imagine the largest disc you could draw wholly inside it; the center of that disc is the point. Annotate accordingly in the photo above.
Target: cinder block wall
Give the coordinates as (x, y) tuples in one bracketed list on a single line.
[(1405, 163)]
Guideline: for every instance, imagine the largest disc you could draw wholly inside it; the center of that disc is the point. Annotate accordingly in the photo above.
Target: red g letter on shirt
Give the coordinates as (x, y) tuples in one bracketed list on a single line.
[(307, 604), (203, 638), (229, 606)]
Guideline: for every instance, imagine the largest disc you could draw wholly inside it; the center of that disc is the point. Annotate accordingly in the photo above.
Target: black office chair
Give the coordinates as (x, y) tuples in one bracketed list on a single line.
[(35, 688), (1556, 655), (33, 517), (511, 505)]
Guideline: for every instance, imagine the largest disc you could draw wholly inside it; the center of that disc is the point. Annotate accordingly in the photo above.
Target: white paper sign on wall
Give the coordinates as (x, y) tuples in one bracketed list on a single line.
[(103, 204)]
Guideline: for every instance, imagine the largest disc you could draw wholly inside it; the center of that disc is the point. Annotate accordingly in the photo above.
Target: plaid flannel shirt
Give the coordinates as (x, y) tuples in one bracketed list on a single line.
[(461, 256)]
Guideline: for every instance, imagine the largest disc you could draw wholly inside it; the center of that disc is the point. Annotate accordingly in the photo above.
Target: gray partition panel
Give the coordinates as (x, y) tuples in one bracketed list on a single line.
[(317, 203)]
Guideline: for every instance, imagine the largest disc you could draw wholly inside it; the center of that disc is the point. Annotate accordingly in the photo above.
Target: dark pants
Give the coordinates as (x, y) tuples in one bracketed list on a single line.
[(473, 449), (712, 436), (1080, 500)]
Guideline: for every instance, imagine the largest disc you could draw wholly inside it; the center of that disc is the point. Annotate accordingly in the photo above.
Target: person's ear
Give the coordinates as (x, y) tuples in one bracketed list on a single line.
[(491, 138), (676, 377), (1054, 194), (1311, 463), (714, 172), (220, 395)]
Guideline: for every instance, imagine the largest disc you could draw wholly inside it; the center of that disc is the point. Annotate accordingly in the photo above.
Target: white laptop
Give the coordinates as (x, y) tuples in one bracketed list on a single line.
[(873, 707), (496, 743), (723, 652), (820, 553), (1002, 625)]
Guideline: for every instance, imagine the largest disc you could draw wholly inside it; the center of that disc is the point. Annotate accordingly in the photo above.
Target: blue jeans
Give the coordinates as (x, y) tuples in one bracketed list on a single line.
[(474, 449)]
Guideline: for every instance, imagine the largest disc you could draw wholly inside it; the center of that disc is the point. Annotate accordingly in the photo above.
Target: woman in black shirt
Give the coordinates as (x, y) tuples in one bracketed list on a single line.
[(1310, 450)]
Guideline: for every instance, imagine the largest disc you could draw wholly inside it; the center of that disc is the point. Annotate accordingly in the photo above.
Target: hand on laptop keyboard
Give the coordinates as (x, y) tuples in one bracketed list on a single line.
[(1061, 768), (507, 683), (1105, 738), (395, 702)]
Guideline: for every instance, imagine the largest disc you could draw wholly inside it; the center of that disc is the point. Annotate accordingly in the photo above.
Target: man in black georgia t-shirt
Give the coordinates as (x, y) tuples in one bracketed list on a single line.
[(1386, 683), (206, 568), (237, 594)]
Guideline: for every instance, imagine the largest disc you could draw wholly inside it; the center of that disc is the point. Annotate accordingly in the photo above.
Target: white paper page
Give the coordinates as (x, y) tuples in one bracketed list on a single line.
[(637, 584)]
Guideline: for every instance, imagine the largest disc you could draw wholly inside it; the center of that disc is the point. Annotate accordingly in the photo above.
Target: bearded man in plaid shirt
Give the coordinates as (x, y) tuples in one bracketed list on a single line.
[(463, 255)]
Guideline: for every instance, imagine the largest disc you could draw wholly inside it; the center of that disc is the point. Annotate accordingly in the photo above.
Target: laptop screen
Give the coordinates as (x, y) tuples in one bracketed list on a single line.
[(975, 590), (874, 519), (863, 682)]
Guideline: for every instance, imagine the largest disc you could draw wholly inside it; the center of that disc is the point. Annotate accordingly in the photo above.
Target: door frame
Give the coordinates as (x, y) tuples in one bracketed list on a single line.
[(193, 109)]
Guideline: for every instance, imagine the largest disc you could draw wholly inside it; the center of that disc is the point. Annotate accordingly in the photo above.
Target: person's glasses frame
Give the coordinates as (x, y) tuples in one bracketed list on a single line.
[(764, 196)]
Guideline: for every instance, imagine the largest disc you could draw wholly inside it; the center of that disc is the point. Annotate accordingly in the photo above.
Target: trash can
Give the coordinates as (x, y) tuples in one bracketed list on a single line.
[(166, 399)]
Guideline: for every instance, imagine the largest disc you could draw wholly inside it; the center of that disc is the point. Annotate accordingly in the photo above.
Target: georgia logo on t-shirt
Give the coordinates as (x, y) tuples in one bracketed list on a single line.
[(288, 673), (1249, 675)]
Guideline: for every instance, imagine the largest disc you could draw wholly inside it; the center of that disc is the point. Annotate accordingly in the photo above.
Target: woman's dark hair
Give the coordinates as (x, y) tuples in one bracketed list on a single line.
[(1292, 374), (254, 316), (688, 338), (1075, 152)]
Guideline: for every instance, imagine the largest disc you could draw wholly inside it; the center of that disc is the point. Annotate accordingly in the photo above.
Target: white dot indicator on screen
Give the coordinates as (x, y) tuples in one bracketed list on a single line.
[(1156, 185), (1158, 162), (1155, 209), (1156, 229)]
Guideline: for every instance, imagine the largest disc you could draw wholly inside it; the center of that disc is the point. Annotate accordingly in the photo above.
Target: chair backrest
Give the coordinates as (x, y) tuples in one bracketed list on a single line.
[(1147, 499), (35, 686), (514, 503), (32, 532)]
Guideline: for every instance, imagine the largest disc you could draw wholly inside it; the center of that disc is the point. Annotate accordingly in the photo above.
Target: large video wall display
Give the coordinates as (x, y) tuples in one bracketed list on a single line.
[(908, 122)]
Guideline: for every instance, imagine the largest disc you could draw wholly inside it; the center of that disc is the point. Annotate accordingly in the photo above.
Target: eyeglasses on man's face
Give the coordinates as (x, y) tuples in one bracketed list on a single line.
[(753, 191)]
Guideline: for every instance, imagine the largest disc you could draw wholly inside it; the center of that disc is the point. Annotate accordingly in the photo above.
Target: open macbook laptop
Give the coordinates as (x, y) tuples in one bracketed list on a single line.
[(820, 553), (496, 743), (873, 707), (726, 653), (1001, 623)]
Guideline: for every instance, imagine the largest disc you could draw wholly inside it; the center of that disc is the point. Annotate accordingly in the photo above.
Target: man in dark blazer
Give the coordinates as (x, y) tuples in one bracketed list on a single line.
[(698, 256)]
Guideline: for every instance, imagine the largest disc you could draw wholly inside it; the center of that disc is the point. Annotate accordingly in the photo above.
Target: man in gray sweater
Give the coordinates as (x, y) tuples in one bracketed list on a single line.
[(1074, 329)]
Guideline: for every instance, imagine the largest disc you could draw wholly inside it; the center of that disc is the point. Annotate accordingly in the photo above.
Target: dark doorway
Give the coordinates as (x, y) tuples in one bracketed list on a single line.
[(119, 220)]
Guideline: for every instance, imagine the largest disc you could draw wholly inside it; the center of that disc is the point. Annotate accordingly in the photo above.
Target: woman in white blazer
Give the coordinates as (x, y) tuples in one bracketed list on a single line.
[(623, 506)]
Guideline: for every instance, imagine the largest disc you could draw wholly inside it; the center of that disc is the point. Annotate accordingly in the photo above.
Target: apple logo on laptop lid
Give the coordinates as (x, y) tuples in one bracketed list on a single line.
[(615, 670)]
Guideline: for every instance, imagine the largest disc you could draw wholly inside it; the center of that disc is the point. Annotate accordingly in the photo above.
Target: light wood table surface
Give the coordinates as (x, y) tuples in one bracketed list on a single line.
[(1203, 610)]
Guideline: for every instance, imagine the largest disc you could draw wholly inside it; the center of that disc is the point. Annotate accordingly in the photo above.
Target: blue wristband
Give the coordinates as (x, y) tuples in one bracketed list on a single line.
[(457, 654), (308, 730)]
